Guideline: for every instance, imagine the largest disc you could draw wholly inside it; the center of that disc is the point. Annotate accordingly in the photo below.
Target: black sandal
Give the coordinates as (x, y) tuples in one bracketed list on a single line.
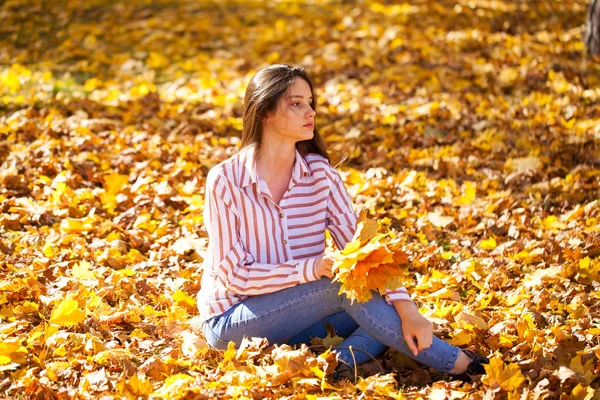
[(475, 367)]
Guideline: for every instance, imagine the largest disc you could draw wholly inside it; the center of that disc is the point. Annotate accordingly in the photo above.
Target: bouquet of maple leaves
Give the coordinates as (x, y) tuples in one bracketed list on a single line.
[(370, 261)]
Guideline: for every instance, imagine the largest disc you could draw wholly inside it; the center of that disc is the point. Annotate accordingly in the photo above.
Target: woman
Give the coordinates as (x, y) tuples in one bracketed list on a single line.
[(266, 212)]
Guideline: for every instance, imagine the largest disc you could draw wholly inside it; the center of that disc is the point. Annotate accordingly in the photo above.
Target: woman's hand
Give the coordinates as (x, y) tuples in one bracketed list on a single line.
[(324, 266), (417, 330)]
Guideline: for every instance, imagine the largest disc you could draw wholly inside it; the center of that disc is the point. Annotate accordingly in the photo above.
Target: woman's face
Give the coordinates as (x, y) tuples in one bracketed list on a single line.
[(293, 118)]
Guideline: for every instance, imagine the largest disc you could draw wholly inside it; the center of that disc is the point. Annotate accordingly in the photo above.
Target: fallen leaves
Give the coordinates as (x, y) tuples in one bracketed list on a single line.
[(67, 312), (508, 377), (471, 135)]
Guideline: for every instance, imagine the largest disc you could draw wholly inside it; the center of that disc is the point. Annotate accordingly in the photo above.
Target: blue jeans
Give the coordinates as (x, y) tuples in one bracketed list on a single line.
[(298, 313)]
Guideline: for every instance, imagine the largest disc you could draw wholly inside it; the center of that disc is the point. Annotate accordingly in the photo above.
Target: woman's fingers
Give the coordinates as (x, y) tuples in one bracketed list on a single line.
[(425, 341), (324, 265), (411, 339), (418, 337), (412, 344)]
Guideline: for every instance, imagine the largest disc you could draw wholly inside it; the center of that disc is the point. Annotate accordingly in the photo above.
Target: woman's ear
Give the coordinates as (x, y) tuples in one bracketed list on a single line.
[(268, 116)]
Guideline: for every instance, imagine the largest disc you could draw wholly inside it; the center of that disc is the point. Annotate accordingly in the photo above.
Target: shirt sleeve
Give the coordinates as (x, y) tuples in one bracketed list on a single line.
[(230, 262), (341, 223)]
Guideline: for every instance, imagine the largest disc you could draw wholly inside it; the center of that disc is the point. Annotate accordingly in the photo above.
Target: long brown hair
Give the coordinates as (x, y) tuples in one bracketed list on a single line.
[(263, 92)]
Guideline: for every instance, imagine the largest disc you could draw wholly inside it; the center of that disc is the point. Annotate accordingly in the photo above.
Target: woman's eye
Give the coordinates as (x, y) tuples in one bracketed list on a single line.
[(297, 104)]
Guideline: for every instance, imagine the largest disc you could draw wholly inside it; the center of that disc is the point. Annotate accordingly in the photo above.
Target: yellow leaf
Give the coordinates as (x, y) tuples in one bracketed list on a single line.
[(27, 307), (366, 228), (446, 255), (585, 370), (138, 333), (469, 193), (317, 371), (139, 385), (175, 387), (329, 341), (579, 392), (67, 313), (48, 250), (183, 299), (584, 263), (12, 351), (507, 340), (103, 357), (78, 225), (125, 272), (488, 244), (589, 269), (91, 84), (445, 293), (460, 338), (156, 60), (509, 377), (10, 79), (114, 183), (82, 271), (552, 222)]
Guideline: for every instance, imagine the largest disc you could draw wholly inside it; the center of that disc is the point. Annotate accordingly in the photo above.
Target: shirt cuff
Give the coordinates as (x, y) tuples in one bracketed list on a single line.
[(307, 270), (400, 294)]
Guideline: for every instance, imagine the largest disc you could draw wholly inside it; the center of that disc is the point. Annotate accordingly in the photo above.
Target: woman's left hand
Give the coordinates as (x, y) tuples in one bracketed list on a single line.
[(417, 330)]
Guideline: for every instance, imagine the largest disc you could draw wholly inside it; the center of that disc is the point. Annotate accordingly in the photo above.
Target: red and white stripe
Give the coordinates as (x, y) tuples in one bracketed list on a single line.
[(256, 246)]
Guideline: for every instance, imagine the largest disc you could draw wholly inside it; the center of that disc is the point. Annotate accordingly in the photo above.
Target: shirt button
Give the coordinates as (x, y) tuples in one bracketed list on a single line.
[(281, 215), (289, 189), (285, 242)]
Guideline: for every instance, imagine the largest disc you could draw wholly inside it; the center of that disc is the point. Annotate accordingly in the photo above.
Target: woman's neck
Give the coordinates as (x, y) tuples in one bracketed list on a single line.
[(275, 159)]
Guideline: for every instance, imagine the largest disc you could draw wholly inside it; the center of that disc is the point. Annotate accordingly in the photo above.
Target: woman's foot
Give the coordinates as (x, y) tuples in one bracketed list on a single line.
[(344, 371), (467, 364)]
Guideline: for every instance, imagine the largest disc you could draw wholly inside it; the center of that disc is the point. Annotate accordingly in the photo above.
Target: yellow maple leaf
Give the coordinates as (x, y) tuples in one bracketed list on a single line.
[(461, 338), (82, 271), (139, 385), (113, 184), (12, 351), (509, 377), (589, 269), (184, 300), (67, 312), (488, 244)]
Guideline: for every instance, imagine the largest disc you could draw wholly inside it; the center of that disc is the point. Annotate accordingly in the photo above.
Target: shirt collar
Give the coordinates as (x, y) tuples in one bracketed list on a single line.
[(249, 175)]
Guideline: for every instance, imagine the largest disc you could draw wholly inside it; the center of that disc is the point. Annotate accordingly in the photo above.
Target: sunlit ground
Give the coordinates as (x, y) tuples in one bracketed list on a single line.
[(470, 127)]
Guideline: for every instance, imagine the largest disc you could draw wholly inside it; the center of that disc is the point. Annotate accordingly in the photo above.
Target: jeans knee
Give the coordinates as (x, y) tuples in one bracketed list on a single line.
[(213, 339)]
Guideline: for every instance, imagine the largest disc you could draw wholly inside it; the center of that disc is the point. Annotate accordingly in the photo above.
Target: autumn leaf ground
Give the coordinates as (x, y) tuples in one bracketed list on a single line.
[(470, 127)]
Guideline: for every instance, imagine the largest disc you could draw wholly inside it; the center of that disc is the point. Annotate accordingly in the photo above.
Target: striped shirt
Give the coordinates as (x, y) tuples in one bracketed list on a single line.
[(256, 246)]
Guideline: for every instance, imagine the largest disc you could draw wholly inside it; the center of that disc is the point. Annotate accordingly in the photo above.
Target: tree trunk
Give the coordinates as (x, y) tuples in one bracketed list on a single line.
[(592, 28)]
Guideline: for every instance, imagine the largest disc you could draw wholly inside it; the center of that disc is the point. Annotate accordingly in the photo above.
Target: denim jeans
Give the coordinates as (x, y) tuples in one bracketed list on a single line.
[(297, 314)]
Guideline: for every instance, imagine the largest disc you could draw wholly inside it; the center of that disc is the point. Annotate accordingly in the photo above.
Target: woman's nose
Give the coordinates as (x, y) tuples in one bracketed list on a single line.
[(311, 113)]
